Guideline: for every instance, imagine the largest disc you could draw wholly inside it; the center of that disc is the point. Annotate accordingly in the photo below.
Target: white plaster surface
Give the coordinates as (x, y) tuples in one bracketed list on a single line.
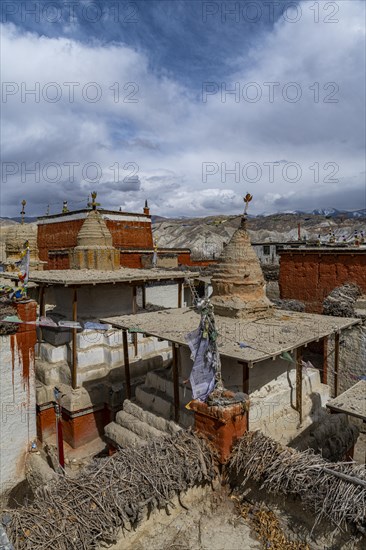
[(271, 408), (18, 416), (162, 295)]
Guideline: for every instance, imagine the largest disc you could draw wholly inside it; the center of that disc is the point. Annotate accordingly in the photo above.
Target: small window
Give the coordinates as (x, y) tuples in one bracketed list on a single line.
[(266, 250)]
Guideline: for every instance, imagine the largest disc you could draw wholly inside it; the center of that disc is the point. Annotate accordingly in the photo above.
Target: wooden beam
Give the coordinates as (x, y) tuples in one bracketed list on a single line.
[(42, 303), (175, 349), (298, 359), (135, 343), (180, 287), (41, 314), (325, 361), (74, 381), (127, 364), (143, 296), (245, 368), (336, 363), (134, 302)]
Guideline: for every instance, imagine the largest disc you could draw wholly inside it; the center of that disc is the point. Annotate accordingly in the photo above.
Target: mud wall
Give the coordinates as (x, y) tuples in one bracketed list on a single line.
[(311, 276)]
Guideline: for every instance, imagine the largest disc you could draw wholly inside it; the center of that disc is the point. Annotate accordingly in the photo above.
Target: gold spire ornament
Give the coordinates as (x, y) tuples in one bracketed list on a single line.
[(22, 213), (93, 202), (248, 197)]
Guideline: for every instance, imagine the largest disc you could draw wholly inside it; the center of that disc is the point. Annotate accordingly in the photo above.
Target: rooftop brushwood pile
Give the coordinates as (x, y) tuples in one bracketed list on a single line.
[(111, 494), (333, 491)]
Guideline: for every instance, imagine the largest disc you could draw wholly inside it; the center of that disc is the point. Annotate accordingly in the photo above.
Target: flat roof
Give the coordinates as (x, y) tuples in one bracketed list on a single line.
[(352, 401), (70, 277), (87, 210), (324, 250), (267, 337)]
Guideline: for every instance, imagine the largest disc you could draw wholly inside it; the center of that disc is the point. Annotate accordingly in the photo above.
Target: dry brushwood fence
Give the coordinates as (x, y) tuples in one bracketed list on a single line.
[(333, 491), (111, 494)]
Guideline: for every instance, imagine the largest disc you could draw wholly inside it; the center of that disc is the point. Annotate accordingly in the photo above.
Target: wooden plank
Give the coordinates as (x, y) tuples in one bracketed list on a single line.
[(127, 364), (176, 383)]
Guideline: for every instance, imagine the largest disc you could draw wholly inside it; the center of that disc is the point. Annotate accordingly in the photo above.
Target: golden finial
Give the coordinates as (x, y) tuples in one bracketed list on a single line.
[(93, 202), (248, 197), (24, 202)]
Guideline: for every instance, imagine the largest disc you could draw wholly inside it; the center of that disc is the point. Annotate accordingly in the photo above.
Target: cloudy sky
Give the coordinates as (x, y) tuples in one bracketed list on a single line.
[(189, 104)]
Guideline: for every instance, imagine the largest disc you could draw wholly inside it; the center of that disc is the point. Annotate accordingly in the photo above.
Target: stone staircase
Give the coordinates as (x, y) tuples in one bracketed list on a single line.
[(157, 395), (136, 426), (150, 415)]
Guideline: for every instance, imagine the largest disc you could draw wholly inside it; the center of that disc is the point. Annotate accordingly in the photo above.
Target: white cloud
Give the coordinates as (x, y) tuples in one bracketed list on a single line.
[(168, 133)]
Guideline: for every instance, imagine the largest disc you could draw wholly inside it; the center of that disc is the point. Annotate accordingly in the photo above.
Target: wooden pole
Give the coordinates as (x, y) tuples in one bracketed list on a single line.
[(245, 367), (176, 382), (134, 302), (180, 287), (42, 304), (325, 360), (336, 363), (298, 358), (41, 314), (74, 381), (127, 364), (143, 296)]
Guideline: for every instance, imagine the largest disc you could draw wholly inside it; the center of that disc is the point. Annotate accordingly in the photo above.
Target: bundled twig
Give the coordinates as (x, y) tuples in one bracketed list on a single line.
[(333, 491), (111, 494)]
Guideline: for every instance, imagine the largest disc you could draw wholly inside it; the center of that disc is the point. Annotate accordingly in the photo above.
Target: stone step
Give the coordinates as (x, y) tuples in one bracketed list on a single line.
[(158, 422), (142, 429), (162, 380), (361, 303), (162, 404), (122, 436)]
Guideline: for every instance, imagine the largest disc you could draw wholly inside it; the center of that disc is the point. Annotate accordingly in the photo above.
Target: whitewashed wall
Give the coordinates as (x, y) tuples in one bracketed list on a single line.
[(18, 415), (165, 295)]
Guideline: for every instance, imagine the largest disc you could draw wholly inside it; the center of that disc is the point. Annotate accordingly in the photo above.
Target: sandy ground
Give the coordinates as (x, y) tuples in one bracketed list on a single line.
[(211, 523)]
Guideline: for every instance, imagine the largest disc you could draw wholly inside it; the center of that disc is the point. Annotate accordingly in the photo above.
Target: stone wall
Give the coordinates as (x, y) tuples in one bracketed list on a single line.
[(17, 399), (310, 276)]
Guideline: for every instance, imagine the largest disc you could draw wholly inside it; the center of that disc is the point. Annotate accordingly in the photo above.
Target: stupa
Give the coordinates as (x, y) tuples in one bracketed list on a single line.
[(16, 237), (94, 248), (239, 288)]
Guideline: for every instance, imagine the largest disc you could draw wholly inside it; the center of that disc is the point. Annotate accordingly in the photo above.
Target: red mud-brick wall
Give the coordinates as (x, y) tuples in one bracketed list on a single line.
[(221, 426), (62, 236), (130, 234), (59, 261), (310, 277), (79, 430), (184, 258), (131, 259), (55, 236), (46, 423)]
